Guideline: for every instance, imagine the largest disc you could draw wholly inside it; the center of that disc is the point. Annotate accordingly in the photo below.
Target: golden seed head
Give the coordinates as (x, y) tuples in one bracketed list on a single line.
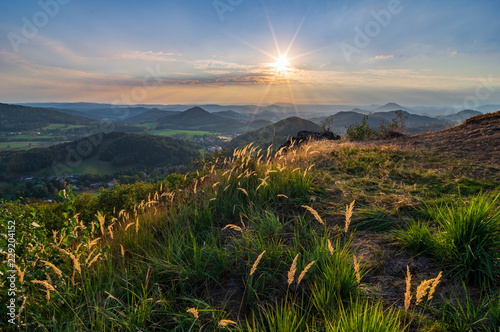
[(314, 213), (56, 270), (348, 215), (233, 227), (226, 322), (293, 268), (422, 290), (435, 282), (256, 263), (194, 312), (408, 295), (356, 268), (330, 247), (305, 271)]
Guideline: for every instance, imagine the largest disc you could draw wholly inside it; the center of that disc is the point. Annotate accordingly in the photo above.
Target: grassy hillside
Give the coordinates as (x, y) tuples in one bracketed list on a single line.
[(19, 118), (333, 236), (277, 133)]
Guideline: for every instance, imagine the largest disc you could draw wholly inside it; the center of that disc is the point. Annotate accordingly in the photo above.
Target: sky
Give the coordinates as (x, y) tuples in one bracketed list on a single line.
[(356, 52)]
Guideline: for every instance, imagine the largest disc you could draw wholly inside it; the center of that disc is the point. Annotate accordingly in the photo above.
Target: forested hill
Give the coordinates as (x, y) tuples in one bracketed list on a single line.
[(16, 117), (276, 133), (117, 148)]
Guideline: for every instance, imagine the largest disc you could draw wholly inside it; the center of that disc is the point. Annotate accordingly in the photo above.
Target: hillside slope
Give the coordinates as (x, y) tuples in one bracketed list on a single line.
[(15, 117), (117, 148), (477, 138)]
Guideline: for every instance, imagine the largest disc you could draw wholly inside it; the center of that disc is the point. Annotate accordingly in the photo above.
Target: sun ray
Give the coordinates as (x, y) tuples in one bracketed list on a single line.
[(293, 98), (248, 44), (261, 101), (298, 30), (272, 29)]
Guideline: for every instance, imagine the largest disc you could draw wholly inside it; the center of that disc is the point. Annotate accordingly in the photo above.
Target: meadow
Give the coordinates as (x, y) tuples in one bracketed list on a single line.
[(330, 236)]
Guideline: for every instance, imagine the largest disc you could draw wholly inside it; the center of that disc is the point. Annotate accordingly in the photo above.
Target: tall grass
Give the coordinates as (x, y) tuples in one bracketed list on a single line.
[(470, 237)]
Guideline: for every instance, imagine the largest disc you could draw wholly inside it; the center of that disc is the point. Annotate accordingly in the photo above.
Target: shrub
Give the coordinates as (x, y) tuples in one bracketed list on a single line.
[(361, 131)]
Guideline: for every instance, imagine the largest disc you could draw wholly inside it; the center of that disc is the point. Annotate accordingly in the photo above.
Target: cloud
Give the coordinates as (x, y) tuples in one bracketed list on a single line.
[(149, 56), (379, 58)]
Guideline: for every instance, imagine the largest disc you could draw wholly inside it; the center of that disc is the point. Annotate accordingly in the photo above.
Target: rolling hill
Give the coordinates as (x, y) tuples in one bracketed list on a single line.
[(15, 117), (150, 116), (197, 118), (116, 148), (276, 133)]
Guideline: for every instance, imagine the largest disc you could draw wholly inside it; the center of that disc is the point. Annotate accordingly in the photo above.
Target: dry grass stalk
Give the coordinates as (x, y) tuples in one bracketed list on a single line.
[(408, 295), (195, 184), (137, 226), (330, 247), (304, 272), (56, 270), (102, 220), (226, 322), (422, 290), (92, 243), (76, 264), (110, 230), (243, 190), (21, 274), (293, 269), (94, 259), (128, 225), (233, 227), (88, 257), (256, 263), (284, 196), (348, 215), (215, 184), (435, 282), (45, 284), (194, 312), (356, 268), (63, 235), (123, 251), (314, 213)]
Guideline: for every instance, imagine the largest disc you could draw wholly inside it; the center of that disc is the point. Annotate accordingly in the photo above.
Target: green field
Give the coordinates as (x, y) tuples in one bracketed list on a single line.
[(61, 126), (171, 132), (149, 125), (24, 145), (90, 166)]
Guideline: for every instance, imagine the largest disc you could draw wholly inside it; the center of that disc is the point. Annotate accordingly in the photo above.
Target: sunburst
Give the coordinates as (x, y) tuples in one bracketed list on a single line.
[(282, 64)]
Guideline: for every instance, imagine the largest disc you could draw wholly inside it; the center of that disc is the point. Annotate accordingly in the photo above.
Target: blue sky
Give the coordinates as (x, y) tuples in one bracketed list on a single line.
[(343, 52)]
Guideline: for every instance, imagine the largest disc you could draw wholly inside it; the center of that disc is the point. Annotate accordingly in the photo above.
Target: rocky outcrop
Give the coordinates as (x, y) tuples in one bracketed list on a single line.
[(306, 136)]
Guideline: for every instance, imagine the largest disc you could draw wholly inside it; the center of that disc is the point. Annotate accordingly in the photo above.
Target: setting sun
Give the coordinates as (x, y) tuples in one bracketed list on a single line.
[(281, 65)]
